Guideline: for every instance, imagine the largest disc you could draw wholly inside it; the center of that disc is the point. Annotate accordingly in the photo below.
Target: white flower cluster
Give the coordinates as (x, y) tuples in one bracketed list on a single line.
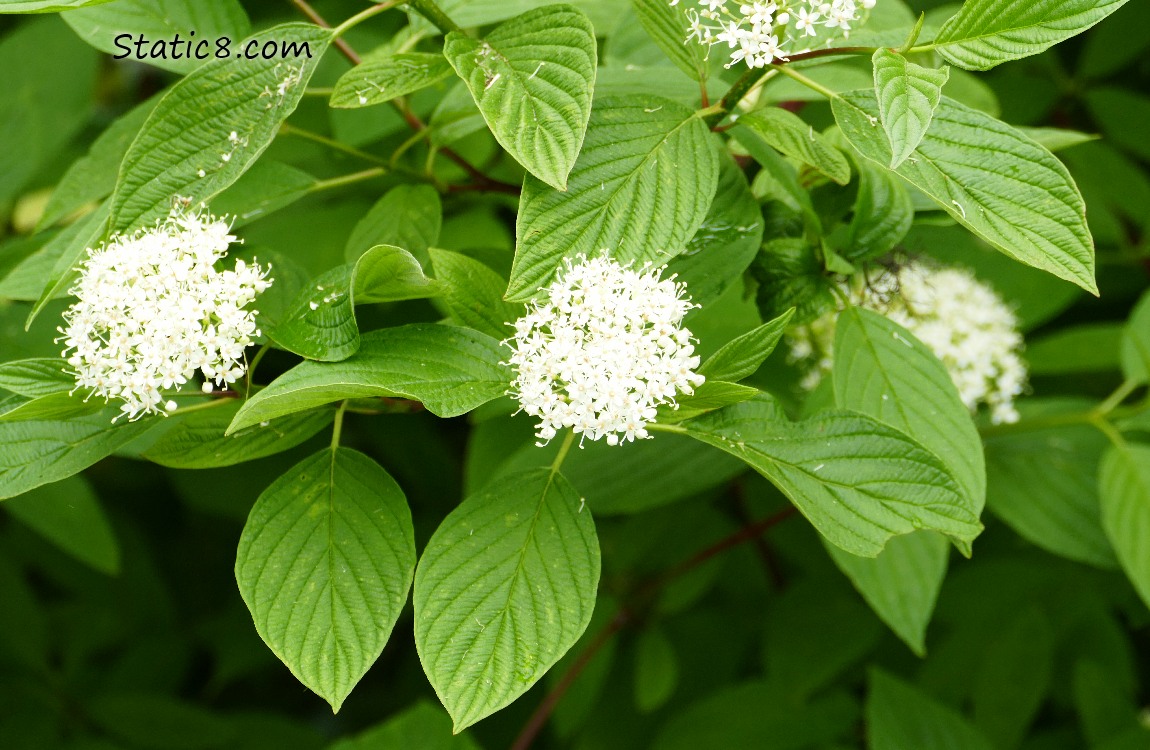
[(762, 32), (152, 309), (603, 351), (959, 318)]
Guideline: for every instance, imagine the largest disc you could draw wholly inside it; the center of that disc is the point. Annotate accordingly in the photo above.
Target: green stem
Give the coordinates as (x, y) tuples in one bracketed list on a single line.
[(288, 129), (563, 451), (1116, 398), (432, 12), (201, 407), (363, 15), (337, 426), (812, 85), (348, 179), (252, 368)]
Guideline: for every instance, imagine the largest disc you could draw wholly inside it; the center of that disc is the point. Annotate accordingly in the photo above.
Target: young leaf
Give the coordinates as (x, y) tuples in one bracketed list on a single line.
[(993, 180), (35, 452), (383, 79), (711, 395), (986, 33), (504, 588), (532, 78), (883, 371), (451, 370), (198, 441), (901, 585), (473, 294), (212, 125), (741, 357), (1124, 486), (386, 273), (858, 481), (668, 28), (788, 133), (68, 514), (899, 717), (68, 248), (639, 191), (324, 564), (407, 216), (158, 20), (1136, 343), (908, 95)]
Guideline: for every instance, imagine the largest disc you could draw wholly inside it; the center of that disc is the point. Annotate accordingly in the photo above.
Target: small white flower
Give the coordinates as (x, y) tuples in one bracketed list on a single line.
[(959, 318), (603, 350), (152, 309)]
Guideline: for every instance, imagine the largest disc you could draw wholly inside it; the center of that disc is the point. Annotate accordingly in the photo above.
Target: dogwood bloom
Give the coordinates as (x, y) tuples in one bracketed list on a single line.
[(152, 309), (759, 33), (959, 318), (603, 351)]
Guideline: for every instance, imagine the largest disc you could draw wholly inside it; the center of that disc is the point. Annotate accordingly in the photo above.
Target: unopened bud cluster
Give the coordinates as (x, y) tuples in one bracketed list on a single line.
[(603, 351), (959, 318), (152, 309), (760, 33)]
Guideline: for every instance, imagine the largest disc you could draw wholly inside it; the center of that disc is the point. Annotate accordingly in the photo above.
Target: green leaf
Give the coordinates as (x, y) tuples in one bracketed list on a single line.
[(1044, 483), (473, 294), (68, 248), (1057, 139), (267, 187), (451, 370), (407, 216), (1014, 677), (1124, 486), (380, 80), (986, 33), (668, 28), (901, 585), (899, 717), (45, 6), (789, 134), (726, 242), (639, 191), (36, 377), (993, 180), (656, 670), (741, 357), (1091, 347), (68, 514), (1136, 343), (62, 405), (883, 371), (324, 564), (190, 129), (34, 452), (504, 588), (160, 21), (198, 440), (791, 276), (92, 177), (152, 720), (883, 214), (321, 323), (711, 395), (533, 78), (423, 726), (858, 481), (908, 95)]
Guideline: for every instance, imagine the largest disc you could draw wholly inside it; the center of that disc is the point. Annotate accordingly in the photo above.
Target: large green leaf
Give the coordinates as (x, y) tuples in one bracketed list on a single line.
[(1136, 343), (533, 78), (324, 564), (504, 588), (35, 452), (787, 132), (198, 440), (211, 126), (668, 28), (901, 585), (451, 370), (639, 191), (36, 377), (858, 481), (985, 33), (908, 95), (1044, 483), (473, 294), (900, 717), (380, 80), (68, 514), (883, 371), (993, 180), (161, 21), (1124, 486)]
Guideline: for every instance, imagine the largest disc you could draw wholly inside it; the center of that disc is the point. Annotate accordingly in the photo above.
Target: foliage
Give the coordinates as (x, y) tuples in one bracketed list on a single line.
[(366, 512)]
